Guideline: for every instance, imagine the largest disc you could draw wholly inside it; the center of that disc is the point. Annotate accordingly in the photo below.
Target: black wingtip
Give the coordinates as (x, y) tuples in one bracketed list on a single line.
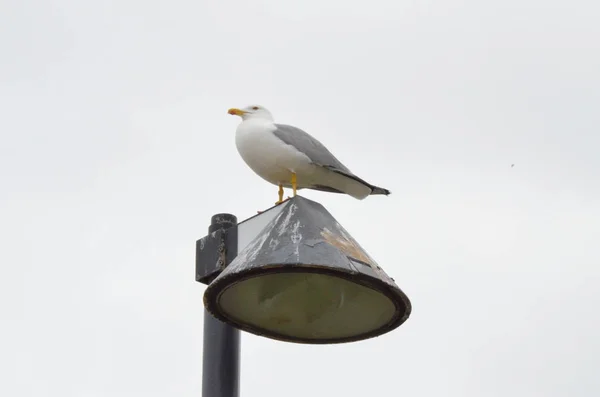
[(374, 189), (380, 190)]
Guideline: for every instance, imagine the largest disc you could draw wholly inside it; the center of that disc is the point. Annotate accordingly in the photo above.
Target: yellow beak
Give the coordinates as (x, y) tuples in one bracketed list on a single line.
[(236, 112)]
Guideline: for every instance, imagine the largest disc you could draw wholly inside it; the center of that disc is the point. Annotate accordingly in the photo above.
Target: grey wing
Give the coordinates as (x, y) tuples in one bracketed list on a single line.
[(315, 150), (319, 155)]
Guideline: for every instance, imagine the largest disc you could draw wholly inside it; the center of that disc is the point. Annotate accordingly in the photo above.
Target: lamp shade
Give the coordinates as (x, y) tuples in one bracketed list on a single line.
[(303, 278)]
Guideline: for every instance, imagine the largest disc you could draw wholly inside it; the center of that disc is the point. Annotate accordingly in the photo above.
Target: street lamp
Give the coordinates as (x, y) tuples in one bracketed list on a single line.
[(293, 273)]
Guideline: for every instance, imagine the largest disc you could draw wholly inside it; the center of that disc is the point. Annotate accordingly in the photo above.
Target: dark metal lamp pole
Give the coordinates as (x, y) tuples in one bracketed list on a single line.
[(221, 351)]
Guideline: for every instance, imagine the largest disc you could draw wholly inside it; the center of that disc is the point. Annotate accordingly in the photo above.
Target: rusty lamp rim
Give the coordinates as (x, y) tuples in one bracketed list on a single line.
[(402, 305)]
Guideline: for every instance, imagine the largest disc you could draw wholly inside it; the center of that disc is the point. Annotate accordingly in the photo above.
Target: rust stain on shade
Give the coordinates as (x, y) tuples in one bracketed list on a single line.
[(347, 246)]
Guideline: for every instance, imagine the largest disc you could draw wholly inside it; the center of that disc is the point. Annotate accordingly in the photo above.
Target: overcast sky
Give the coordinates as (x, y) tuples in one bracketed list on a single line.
[(116, 148)]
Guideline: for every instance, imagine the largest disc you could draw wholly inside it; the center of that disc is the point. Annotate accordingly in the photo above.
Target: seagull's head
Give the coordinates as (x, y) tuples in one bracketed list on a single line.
[(252, 112)]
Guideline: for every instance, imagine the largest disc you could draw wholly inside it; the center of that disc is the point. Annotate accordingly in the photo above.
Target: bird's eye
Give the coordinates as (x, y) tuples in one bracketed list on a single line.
[(254, 107)]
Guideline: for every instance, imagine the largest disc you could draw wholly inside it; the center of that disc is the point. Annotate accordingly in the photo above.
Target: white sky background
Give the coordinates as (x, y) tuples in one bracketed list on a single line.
[(116, 149)]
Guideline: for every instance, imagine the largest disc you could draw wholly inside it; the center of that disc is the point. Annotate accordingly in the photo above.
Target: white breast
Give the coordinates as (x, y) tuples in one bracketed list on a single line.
[(267, 155)]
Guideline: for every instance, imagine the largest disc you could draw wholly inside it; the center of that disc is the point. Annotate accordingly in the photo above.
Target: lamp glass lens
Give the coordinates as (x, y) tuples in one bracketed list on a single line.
[(307, 305)]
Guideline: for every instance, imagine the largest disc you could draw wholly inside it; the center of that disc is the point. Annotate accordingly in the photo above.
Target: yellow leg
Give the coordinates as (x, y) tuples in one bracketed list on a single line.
[(294, 183), (294, 187), (280, 194)]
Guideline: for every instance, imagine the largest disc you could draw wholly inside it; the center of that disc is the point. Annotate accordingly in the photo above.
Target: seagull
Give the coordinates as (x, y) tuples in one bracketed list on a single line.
[(286, 156)]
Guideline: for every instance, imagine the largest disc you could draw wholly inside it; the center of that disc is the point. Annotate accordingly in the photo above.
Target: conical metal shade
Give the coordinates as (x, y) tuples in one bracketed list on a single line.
[(304, 279)]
